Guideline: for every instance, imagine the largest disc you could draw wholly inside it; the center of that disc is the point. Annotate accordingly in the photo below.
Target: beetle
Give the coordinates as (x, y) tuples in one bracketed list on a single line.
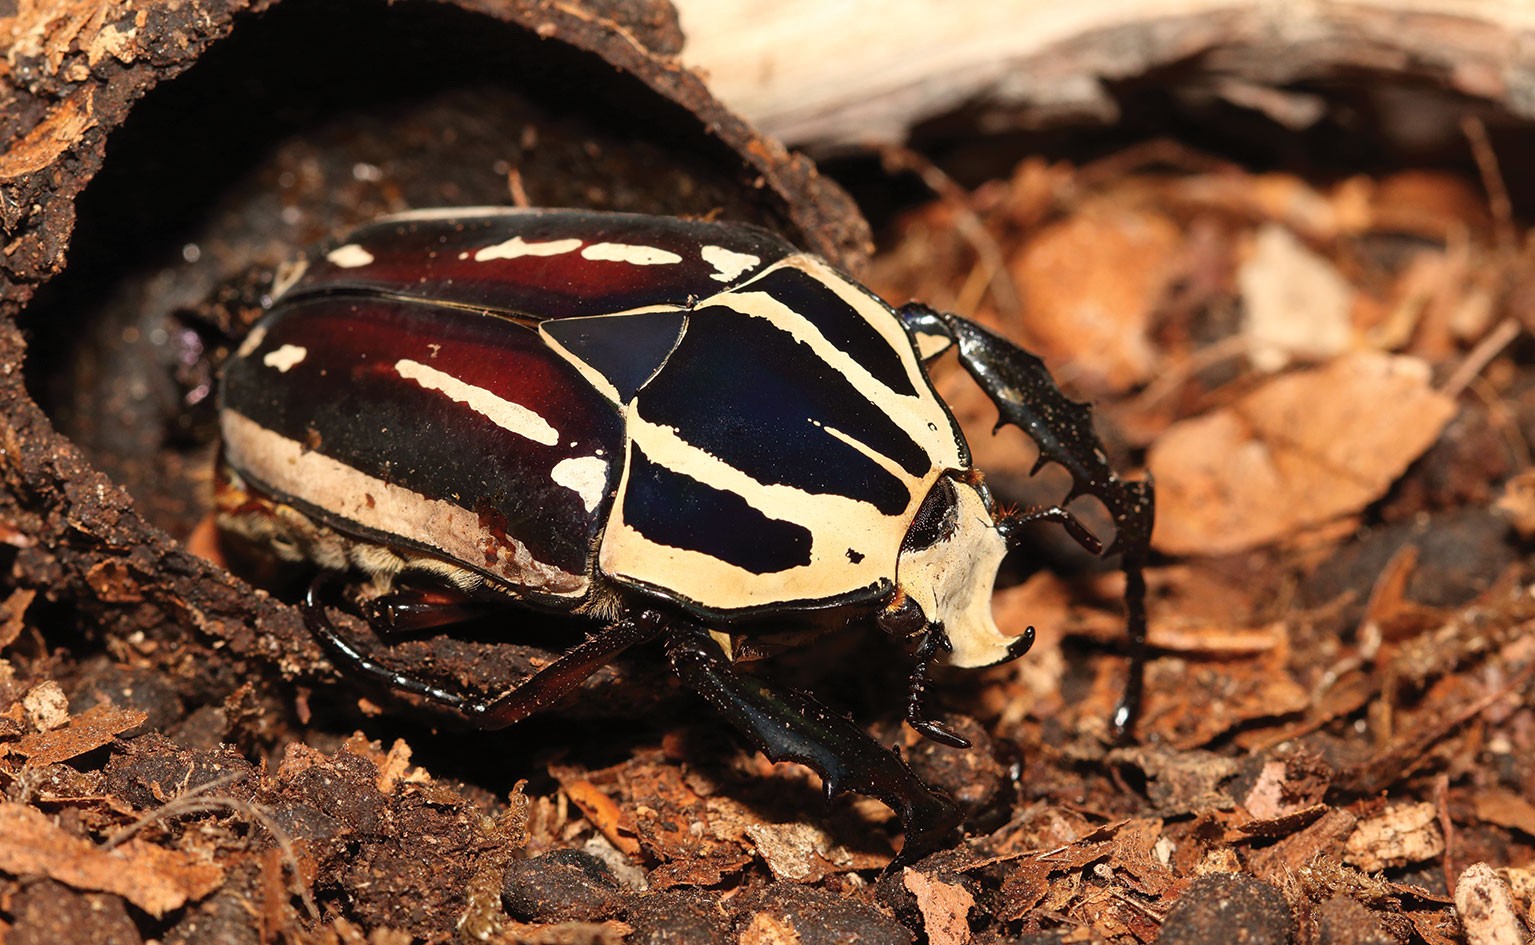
[(675, 429)]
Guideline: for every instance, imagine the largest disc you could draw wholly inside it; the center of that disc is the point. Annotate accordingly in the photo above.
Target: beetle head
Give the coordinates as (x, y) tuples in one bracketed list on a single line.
[(946, 570)]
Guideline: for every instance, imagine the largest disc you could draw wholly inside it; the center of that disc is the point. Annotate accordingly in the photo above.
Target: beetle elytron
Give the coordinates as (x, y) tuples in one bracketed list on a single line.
[(675, 429)]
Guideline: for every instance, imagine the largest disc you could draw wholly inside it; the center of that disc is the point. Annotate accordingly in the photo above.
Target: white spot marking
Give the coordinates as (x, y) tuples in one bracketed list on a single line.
[(633, 255), (252, 341), (349, 256), (285, 358), (506, 414), (517, 247), (288, 274), (727, 264), (586, 476)]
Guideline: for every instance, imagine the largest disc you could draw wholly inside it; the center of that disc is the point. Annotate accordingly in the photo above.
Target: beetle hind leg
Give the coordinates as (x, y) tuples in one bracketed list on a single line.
[(787, 725), (538, 691)]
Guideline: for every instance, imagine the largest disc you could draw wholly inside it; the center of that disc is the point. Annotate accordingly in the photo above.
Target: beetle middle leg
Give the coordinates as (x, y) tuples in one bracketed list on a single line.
[(787, 725), (542, 689), (1026, 396)]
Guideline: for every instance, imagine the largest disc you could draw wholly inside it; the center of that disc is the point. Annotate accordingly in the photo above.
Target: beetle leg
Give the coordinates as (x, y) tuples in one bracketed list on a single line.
[(406, 609), (538, 691), (1026, 396), (932, 643), (787, 725)]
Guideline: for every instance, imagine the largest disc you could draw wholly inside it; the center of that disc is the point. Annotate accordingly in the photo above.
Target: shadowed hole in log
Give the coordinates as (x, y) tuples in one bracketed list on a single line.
[(309, 119)]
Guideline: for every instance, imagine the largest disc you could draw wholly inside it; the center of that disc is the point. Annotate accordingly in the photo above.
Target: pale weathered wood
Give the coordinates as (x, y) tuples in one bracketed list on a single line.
[(822, 72)]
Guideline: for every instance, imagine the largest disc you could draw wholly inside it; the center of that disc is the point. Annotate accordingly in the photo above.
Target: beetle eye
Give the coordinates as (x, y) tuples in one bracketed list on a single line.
[(905, 619), (935, 518)]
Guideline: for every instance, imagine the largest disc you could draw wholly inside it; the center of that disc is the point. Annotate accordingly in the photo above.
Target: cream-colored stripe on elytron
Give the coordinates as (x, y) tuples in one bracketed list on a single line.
[(836, 524), (923, 417), (354, 496), (506, 414)]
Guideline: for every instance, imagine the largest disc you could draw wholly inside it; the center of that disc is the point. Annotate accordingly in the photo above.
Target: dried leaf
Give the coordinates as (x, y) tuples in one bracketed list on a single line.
[(1324, 839), (13, 615), (1506, 809), (1181, 782), (945, 907), (1301, 450), (153, 878), (1296, 303), (1090, 284)]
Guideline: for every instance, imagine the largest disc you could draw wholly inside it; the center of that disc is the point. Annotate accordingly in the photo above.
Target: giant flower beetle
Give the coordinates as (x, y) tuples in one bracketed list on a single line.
[(673, 429)]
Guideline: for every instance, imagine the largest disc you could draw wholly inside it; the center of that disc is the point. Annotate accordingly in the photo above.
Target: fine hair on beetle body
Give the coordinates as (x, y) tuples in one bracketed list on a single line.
[(676, 430)]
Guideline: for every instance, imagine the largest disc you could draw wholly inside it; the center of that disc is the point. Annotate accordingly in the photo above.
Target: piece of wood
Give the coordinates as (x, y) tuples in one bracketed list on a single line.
[(852, 73)]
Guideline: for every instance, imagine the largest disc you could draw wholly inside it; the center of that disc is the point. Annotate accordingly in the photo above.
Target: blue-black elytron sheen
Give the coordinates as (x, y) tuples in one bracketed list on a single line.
[(668, 429)]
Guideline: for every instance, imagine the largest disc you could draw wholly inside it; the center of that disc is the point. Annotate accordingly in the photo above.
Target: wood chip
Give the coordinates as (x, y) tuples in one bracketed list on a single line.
[(1486, 908), (153, 878), (49, 138), (604, 815), (804, 853), (87, 731), (945, 907), (1517, 503), (1399, 835), (1303, 449), (767, 929), (46, 706)]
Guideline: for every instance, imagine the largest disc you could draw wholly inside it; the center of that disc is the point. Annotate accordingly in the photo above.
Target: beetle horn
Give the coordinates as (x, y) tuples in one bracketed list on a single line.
[(1010, 527)]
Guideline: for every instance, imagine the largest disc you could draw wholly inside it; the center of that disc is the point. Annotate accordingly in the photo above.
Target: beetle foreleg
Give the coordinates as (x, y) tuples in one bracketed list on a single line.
[(790, 726), (537, 692), (1026, 396), (933, 642)]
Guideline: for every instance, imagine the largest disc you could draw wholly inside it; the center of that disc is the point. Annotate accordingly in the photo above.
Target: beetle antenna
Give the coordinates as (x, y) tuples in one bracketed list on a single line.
[(1011, 526)]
